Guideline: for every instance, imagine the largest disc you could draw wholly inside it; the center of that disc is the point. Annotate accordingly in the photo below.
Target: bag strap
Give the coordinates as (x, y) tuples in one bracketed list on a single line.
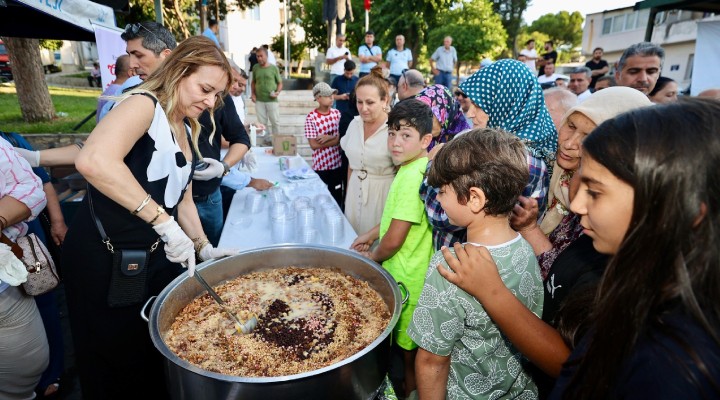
[(101, 229), (13, 246)]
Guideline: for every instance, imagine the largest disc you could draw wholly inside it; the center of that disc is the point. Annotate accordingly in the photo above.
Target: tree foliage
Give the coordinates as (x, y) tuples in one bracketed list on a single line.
[(51, 44), (476, 29), (564, 28), (511, 12)]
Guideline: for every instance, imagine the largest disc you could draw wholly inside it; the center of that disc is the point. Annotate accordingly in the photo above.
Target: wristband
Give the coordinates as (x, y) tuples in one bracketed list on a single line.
[(227, 168)]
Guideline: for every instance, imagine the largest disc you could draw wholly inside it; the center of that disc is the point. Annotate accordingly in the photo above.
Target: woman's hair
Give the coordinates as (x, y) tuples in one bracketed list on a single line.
[(660, 85), (185, 60), (376, 79), (668, 260), (492, 160)]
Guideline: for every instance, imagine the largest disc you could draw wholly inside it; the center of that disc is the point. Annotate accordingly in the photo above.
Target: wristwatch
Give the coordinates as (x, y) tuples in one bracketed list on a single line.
[(227, 168)]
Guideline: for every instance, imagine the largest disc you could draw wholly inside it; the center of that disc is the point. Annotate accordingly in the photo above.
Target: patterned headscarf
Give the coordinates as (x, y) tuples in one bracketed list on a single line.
[(447, 111), (509, 93)]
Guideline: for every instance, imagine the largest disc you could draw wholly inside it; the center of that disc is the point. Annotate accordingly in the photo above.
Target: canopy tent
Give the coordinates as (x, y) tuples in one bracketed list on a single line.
[(656, 6), (56, 19)]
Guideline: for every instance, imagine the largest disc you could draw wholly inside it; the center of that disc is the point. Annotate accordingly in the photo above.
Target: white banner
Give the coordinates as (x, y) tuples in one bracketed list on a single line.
[(78, 12), (110, 46)]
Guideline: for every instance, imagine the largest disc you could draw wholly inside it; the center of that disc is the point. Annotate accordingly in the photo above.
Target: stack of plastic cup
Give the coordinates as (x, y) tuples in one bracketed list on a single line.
[(334, 224), (254, 202), (323, 198), (301, 202), (306, 218), (282, 223), (276, 194)]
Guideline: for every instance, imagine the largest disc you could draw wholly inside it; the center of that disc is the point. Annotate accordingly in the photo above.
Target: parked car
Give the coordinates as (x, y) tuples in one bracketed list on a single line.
[(5, 69)]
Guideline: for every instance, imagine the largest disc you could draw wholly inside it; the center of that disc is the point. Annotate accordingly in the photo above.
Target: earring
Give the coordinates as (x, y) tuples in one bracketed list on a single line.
[(386, 108)]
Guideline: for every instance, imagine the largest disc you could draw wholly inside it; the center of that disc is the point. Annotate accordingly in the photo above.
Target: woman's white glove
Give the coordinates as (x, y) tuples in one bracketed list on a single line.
[(215, 169), (249, 162), (209, 252), (32, 156), (178, 246)]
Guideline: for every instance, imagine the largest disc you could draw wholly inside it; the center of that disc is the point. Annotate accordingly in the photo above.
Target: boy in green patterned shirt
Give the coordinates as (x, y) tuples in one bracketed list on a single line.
[(404, 233), (463, 354)]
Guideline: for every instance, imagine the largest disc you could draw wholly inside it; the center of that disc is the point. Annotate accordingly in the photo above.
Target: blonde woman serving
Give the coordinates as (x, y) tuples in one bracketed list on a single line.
[(371, 169), (138, 161)]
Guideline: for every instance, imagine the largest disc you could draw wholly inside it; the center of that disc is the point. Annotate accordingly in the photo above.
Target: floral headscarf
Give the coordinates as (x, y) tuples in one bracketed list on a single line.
[(509, 93), (447, 111)]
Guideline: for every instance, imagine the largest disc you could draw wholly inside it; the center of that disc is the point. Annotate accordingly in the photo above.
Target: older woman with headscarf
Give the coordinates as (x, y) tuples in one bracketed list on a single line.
[(449, 119), (560, 227), (504, 95)]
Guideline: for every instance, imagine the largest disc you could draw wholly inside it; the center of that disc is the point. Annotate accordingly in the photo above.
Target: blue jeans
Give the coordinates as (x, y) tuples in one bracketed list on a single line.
[(211, 215), (444, 78)]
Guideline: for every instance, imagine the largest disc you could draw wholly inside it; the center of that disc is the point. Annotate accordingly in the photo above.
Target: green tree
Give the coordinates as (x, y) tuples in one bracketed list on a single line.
[(564, 28), (511, 12), (476, 29)]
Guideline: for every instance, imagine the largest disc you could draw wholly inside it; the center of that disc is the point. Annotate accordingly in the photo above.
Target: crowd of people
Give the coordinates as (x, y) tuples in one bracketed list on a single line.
[(556, 242)]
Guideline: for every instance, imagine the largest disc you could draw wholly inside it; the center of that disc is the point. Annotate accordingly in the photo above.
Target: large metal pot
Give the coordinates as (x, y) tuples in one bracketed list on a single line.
[(357, 377)]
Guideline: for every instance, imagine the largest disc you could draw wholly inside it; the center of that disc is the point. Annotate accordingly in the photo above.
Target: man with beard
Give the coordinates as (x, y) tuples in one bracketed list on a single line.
[(640, 66), (597, 65)]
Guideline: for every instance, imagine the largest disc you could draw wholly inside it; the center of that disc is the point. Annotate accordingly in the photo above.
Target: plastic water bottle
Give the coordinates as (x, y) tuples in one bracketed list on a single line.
[(253, 135)]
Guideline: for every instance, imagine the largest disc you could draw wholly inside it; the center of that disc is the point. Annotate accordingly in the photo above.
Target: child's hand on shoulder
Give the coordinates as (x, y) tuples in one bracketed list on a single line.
[(473, 271)]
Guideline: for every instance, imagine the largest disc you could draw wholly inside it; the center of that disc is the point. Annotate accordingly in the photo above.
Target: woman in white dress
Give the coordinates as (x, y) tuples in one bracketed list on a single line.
[(371, 169)]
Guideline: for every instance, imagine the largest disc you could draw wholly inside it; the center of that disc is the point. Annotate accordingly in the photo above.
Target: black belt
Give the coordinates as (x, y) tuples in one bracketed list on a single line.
[(201, 199)]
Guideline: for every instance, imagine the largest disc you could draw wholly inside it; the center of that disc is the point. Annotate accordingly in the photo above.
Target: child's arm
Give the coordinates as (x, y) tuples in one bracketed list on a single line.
[(363, 242), (431, 374), (328, 140), (392, 241), (476, 273)]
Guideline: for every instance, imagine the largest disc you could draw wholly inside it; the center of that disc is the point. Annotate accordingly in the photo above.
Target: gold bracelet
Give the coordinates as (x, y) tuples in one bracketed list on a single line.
[(160, 211), (199, 246), (142, 205), (3, 222)]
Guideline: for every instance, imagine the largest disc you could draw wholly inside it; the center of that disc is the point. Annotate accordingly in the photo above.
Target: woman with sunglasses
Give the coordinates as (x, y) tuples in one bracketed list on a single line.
[(138, 162)]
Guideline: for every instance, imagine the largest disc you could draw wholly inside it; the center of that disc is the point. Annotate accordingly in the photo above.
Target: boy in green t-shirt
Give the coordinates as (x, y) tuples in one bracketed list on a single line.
[(404, 233), (462, 352)]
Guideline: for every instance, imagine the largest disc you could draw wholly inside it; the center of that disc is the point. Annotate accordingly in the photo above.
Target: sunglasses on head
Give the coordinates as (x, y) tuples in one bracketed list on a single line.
[(135, 29)]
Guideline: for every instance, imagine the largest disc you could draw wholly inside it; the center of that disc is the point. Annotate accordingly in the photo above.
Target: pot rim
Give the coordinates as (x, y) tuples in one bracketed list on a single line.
[(161, 346)]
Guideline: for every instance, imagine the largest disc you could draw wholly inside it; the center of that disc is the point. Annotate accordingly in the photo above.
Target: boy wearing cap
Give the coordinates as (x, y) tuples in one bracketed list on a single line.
[(369, 54), (322, 131)]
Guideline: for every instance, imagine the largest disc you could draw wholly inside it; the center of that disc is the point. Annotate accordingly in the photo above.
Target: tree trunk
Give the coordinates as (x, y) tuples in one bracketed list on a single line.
[(32, 91)]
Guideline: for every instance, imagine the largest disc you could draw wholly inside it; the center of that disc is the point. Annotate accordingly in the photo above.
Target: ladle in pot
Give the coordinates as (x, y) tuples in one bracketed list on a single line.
[(246, 327)]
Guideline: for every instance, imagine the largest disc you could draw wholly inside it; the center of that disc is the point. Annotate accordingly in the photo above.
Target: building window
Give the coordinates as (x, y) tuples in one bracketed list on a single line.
[(688, 70), (607, 26), (255, 13)]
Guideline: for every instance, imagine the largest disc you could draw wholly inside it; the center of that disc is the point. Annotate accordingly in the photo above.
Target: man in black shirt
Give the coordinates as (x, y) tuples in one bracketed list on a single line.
[(550, 57), (208, 175), (598, 66)]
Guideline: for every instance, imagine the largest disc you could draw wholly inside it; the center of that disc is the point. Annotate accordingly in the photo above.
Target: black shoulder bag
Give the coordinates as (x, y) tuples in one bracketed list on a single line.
[(128, 281)]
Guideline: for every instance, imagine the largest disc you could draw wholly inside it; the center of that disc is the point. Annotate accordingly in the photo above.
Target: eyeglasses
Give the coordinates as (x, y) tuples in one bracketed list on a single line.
[(135, 30), (461, 94)]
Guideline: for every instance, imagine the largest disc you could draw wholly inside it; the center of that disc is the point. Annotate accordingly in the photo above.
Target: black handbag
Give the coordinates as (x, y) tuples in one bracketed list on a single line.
[(128, 281)]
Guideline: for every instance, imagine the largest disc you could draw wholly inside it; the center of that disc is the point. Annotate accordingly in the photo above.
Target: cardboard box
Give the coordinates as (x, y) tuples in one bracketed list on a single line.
[(284, 145)]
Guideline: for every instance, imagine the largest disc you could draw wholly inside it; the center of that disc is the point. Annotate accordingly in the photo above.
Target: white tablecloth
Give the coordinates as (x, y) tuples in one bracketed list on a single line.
[(244, 230)]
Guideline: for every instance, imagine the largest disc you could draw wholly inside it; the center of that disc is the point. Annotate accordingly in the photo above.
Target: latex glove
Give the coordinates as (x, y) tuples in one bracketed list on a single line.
[(209, 252), (178, 246), (215, 169), (32, 156), (249, 162)]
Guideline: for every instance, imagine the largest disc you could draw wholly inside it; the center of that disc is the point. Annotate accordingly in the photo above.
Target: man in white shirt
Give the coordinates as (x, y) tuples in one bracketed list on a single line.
[(549, 74), (336, 56), (579, 83), (530, 54), (400, 58)]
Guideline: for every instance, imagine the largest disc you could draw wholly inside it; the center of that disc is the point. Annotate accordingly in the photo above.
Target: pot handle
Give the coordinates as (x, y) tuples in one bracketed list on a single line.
[(404, 288), (145, 306)]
